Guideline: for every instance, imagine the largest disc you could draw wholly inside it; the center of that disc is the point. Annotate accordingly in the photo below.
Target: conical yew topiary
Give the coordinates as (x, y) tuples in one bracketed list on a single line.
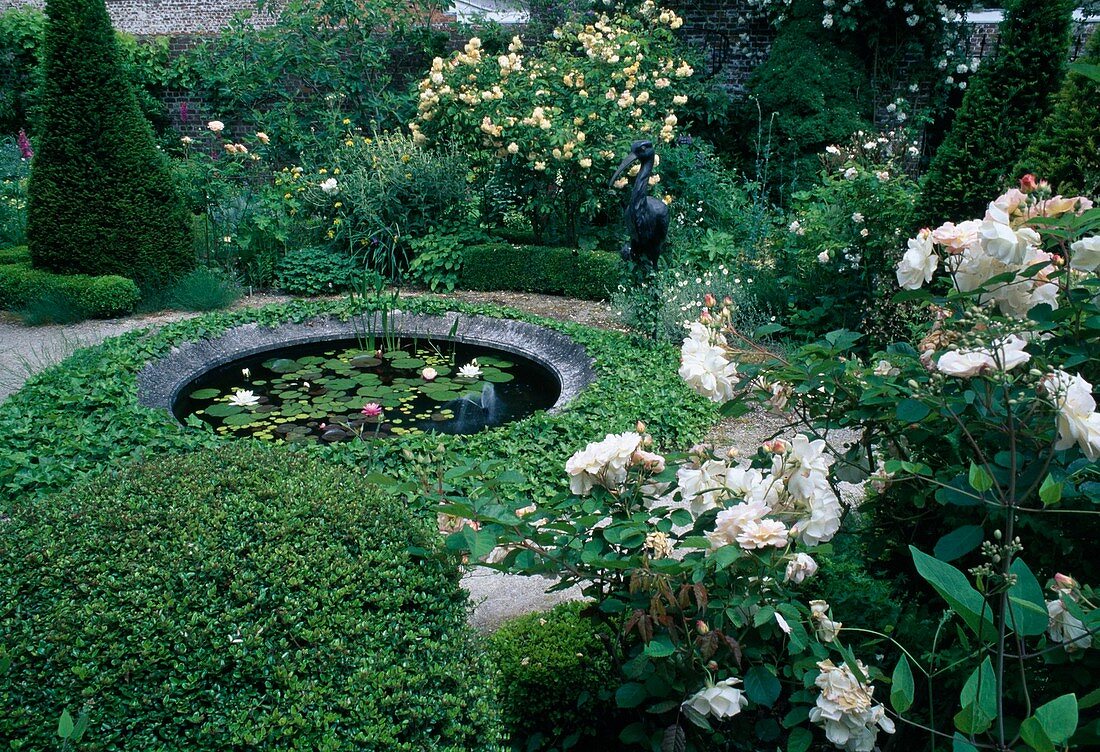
[(1067, 150), (1008, 99), (100, 199)]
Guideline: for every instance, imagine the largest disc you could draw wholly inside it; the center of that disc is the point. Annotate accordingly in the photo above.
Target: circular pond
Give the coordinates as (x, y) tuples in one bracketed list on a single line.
[(341, 390), (329, 379)]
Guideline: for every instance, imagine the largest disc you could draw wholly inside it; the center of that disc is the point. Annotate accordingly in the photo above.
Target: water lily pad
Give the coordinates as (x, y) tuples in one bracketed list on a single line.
[(281, 365), (407, 363), (366, 361), (497, 377), (223, 410), (488, 360), (203, 394), (239, 419)]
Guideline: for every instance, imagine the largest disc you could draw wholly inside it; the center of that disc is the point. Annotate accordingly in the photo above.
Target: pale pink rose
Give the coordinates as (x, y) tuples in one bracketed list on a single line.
[(762, 533)]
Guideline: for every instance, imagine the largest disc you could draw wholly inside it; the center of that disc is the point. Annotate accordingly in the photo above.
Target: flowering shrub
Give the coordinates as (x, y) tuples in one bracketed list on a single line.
[(699, 564), (977, 444), (15, 166), (557, 122), (841, 243)]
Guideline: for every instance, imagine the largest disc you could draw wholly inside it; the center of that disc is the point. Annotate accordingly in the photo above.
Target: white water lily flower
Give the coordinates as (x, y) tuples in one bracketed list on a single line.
[(244, 398), (721, 700), (470, 371)]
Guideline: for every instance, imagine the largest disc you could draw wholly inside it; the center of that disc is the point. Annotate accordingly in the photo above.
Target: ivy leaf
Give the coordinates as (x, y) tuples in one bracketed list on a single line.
[(902, 690), (761, 686), (954, 588)]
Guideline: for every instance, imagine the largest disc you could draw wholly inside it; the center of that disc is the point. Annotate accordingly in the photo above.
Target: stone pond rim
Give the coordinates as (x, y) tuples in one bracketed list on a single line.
[(161, 381)]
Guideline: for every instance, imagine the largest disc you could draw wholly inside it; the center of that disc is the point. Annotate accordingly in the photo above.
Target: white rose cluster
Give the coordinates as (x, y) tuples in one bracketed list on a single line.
[(606, 463), (846, 710), (975, 251), (792, 501), (705, 365), (1003, 355)]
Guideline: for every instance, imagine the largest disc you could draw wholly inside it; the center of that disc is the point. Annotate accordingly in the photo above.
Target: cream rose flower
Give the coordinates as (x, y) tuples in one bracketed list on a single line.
[(918, 263), (1086, 254), (721, 700), (800, 568)]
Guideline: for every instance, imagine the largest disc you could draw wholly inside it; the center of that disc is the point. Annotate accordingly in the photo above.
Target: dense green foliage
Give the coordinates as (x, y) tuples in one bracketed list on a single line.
[(46, 448), (816, 88), (237, 599), (201, 289), (1001, 112), (328, 52), (589, 275), (1067, 150), (555, 679), (95, 297), (20, 50), (315, 271), (101, 199)]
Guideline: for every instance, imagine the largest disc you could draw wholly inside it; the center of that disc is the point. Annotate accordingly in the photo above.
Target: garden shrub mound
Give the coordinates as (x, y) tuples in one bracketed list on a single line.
[(555, 679), (240, 598), (87, 296), (588, 275)]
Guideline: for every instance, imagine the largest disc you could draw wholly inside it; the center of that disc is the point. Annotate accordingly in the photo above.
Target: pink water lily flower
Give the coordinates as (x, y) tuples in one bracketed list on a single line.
[(372, 410)]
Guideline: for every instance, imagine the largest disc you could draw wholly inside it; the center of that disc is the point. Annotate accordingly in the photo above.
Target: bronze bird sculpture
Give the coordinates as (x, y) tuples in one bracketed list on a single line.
[(646, 217)]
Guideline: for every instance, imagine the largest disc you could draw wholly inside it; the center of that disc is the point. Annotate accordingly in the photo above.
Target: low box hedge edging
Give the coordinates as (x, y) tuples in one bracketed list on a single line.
[(575, 273), (99, 297), (82, 416), (235, 599)]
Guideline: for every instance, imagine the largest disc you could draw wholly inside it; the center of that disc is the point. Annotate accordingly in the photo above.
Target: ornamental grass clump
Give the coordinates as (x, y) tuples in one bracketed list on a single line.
[(100, 199)]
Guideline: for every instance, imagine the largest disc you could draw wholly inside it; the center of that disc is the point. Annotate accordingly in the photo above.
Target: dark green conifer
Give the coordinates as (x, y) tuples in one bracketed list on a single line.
[(1008, 99), (101, 199), (1067, 149)]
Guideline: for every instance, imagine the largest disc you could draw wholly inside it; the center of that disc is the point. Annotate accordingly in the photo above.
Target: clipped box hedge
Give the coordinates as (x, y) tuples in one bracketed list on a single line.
[(575, 273), (241, 598), (96, 297), (15, 255)]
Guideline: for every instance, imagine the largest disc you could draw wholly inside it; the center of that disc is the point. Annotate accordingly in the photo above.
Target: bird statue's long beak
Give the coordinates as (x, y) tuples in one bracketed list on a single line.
[(628, 160)]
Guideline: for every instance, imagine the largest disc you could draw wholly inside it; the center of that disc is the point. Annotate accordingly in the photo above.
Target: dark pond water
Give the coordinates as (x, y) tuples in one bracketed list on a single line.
[(337, 391)]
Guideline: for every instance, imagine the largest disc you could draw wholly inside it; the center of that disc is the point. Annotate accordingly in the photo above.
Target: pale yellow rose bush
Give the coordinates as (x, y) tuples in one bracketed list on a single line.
[(553, 123)]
